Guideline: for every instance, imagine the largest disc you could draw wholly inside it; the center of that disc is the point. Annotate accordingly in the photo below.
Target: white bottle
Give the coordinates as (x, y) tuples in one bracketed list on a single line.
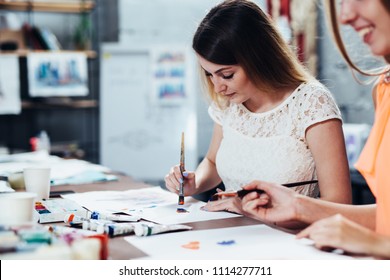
[(43, 142)]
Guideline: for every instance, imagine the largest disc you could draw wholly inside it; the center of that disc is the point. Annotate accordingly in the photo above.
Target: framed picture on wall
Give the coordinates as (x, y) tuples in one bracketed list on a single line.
[(10, 102), (57, 74)]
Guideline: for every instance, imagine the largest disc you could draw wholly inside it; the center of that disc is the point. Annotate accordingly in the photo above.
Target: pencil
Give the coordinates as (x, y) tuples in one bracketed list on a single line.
[(242, 193), (182, 168)]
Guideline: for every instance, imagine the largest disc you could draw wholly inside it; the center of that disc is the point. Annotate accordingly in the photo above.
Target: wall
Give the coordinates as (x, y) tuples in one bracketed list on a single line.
[(169, 21)]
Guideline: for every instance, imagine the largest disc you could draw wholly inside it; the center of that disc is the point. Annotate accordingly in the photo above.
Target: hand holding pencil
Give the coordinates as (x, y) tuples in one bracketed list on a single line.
[(243, 192), (277, 204)]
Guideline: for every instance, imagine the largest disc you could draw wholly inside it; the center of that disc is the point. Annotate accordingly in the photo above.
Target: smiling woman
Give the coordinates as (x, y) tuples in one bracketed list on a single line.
[(363, 229), (273, 120)]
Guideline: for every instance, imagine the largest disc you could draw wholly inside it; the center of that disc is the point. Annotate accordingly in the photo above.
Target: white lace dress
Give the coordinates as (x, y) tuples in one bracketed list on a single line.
[(271, 146)]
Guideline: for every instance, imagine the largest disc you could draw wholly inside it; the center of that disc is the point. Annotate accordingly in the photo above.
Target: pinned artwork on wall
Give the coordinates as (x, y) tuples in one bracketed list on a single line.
[(57, 74), (10, 102), (169, 76)]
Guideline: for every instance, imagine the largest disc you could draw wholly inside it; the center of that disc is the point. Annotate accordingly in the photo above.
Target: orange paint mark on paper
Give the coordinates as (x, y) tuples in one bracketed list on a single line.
[(193, 245)]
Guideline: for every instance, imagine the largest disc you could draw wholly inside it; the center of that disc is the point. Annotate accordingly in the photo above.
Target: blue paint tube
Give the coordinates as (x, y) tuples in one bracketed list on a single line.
[(114, 217)]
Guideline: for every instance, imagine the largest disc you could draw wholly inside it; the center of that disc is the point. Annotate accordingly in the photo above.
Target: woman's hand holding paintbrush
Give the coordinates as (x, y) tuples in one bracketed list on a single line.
[(232, 201), (277, 205), (241, 193), (174, 178)]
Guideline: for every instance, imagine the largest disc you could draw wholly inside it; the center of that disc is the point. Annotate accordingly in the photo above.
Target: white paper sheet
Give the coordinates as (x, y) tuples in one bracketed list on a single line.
[(123, 201), (245, 242), (154, 204), (60, 168), (167, 214)]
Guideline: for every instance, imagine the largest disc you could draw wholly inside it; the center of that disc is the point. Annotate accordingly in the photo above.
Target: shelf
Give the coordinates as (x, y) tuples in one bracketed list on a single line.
[(43, 6), (89, 54), (75, 104)]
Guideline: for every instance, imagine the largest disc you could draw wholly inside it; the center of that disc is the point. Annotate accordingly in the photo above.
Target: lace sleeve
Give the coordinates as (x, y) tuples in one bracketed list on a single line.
[(318, 105), (215, 113)]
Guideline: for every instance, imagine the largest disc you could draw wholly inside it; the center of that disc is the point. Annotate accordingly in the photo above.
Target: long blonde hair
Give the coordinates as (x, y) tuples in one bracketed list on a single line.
[(332, 18)]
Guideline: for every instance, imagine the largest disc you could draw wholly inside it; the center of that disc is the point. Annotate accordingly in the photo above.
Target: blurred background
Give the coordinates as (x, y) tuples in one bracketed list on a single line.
[(115, 82)]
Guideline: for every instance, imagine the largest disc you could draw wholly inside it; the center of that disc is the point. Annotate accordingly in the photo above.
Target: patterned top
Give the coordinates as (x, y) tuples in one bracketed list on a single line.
[(271, 146)]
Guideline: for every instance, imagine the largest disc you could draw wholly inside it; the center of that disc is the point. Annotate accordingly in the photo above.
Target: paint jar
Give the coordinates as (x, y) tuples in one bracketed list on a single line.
[(16, 208)]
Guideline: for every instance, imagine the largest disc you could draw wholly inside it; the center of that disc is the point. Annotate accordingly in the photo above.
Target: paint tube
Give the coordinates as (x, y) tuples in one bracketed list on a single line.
[(35, 236), (96, 225), (146, 229), (72, 219), (61, 230), (119, 229), (114, 217)]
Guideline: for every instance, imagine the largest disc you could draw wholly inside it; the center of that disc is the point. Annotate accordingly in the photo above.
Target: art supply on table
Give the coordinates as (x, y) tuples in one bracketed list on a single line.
[(56, 210), (36, 241), (182, 168), (60, 230), (114, 217), (96, 225), (118, 229), (242, 193), (35, 236), (72, 219), (146, 229)]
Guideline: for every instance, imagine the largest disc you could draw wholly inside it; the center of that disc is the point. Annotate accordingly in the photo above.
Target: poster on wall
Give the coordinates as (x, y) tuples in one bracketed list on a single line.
[(168, 76), (10, 102), (57, 74), (148, 120)]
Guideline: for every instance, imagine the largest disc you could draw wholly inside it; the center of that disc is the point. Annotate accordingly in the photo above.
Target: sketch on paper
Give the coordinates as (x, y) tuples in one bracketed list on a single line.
[(153, 204), (10, 102), (169, 76), (57, 74)]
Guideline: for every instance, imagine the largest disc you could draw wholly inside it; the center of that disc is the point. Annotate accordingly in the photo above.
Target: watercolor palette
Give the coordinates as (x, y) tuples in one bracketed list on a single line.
[(54, 210)]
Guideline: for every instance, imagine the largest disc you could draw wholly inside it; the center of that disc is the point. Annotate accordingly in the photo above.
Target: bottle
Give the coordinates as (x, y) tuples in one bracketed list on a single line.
[(43, 142)]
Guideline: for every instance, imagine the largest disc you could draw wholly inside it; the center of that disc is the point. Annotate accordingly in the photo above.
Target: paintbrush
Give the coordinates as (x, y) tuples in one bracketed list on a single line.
[(242, 193), (181, 190)]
